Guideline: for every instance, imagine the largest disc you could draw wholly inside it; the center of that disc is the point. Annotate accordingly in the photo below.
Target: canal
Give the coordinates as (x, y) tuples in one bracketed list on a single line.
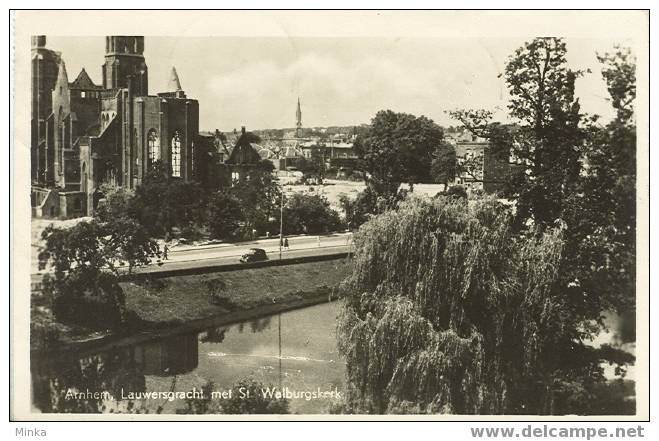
[(295, 350)]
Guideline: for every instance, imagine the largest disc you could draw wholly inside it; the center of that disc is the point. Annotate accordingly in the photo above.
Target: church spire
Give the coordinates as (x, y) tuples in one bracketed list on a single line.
[(298, 119), (174, 83)]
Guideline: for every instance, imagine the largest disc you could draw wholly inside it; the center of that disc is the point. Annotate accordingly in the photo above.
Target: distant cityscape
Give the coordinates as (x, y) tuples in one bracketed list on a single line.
[(86, 135)]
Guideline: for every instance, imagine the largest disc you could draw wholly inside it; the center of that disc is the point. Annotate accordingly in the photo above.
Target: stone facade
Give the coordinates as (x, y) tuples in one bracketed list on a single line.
[(85, 135), (492, 173)]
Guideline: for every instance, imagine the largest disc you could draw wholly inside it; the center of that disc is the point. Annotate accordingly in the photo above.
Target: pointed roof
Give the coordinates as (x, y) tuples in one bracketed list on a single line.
[(62, 76), (83, 81), (298, 114), (174, 83)]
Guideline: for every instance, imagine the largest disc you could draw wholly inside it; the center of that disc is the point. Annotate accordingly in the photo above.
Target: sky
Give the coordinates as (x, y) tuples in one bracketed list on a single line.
[(256, 81)]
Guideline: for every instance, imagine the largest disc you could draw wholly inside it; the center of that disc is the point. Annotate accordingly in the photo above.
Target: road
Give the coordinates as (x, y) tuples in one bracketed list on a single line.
[(190, 256)]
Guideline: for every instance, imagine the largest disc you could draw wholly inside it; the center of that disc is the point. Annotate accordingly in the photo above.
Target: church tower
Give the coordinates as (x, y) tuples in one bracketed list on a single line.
[(298, 119), (124, 63)]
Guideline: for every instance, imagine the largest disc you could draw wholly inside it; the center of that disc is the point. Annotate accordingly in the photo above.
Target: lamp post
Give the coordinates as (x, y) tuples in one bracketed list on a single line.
[(281, 223)]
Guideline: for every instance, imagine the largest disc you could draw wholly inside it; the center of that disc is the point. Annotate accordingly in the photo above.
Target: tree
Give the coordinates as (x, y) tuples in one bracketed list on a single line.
[(449, 310), (444, 164), (314, 167), (224, 215), (259, 196), (360, 209), (84, 261), (602, 213), (118, 203), (162, 203), (548, 137), (397, 148), (309, 213)]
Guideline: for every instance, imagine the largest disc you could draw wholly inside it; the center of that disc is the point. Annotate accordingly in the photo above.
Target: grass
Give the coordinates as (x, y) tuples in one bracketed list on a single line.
[(184, 298)]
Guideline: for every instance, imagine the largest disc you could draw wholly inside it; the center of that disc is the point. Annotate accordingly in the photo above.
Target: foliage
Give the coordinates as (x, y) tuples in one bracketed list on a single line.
[(456, 191), (118, 203), (310, 214), (603, 212), (162, 203), (444, 164), (85, 261), (449, 310), (224, 215), (368, 203), (570, 167), (547, 140), (314, 168), (619, 72), (259, 196), (397, 148)]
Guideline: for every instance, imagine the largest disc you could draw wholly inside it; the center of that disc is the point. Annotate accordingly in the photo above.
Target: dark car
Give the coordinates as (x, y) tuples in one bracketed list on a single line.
[(254, 255)]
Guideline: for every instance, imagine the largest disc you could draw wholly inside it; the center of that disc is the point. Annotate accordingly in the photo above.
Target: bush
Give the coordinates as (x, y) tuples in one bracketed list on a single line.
[(87, 298), (311, 214), (456, 191)]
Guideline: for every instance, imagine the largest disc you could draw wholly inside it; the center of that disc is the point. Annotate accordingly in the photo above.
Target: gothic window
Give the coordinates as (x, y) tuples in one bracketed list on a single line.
[(176, 155), (153, 146)]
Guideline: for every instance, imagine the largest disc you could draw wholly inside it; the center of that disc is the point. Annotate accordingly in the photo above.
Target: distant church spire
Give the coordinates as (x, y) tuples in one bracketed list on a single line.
[(174, 83), (298, 119)]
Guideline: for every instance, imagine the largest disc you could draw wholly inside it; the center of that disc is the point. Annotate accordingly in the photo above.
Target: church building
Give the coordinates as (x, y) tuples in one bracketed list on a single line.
[(85, 135)]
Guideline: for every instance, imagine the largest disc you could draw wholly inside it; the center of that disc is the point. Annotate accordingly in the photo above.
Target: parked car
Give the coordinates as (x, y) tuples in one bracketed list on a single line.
[(254, 255)]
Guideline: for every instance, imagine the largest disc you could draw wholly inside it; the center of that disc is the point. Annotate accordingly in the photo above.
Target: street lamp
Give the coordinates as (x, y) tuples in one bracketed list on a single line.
[(281, 223)]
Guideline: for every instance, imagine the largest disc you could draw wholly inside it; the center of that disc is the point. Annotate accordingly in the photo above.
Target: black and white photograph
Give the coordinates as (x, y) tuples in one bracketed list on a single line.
[(338, 214)]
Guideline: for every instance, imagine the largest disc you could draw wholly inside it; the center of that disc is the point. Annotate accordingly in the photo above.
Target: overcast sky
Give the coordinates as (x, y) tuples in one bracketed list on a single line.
[(255, 82)]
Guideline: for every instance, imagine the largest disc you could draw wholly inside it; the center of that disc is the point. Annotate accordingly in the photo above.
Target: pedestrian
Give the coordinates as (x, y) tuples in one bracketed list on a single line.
[(286, 242), (164, 254)]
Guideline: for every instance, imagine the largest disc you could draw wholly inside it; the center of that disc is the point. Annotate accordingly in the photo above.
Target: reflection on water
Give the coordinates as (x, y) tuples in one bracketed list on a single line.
[(296, 349)]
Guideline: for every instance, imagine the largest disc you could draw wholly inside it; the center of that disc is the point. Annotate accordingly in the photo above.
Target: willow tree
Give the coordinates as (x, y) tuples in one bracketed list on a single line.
[(448, 310)]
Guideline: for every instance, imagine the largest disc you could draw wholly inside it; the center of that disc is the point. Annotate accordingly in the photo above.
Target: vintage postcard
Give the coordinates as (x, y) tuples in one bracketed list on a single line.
[(340, 215)]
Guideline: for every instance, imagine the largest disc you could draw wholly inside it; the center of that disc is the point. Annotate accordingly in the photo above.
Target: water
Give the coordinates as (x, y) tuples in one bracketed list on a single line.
[(309, 360)]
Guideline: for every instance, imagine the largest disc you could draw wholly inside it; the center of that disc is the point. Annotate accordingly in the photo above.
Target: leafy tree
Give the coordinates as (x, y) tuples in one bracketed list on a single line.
[(572, 170), (444, 164), (224, 215), (129, 243), (314, 167), (259, 196), (309, 213), (548, 137), (162, 203), (449, 310), (602, 213), (118, 203), (397, 148), (84, 261), (360, 209)]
